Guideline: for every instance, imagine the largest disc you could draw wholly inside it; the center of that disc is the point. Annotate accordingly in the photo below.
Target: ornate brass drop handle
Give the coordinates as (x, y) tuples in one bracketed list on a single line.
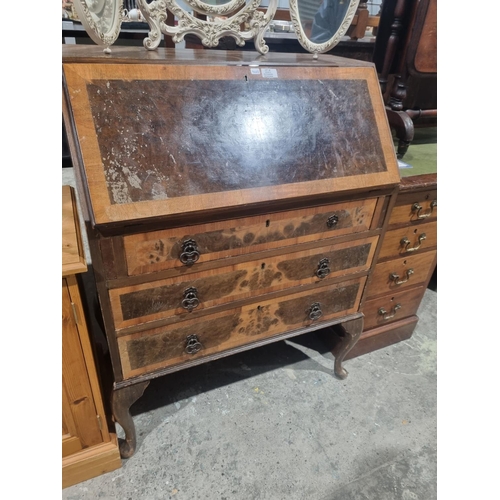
[(189, 252), (193, 345), (387, 316), (190, 300), (395, 277), (332, 221), (405, 243), (417, 207), (323, 268), (315, 311)]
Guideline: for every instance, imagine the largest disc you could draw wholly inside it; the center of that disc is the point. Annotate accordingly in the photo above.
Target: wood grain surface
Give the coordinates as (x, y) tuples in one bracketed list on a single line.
[(162, 55), (158, 250), (403, 213), (392, 245), (73, 256), (163, 136), (148, 351), (409, 300), (156, 300), (421, 264)]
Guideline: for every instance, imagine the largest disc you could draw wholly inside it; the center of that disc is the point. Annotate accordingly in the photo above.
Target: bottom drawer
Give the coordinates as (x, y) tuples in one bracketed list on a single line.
[(152, 350), (390, 308)]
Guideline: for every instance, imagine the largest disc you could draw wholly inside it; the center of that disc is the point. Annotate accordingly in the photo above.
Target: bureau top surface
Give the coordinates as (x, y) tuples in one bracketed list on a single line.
[(162, 139), (72, 53)]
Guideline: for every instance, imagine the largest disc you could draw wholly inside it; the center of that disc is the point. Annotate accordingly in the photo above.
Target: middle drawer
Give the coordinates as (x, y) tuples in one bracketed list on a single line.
[(179, 296)]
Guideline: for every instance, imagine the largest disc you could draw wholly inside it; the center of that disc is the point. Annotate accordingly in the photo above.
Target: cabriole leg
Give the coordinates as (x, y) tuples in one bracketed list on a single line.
[(121, 401), (351, 332)]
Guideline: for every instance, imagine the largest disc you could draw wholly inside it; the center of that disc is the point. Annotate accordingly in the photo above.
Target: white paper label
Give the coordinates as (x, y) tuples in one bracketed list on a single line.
[(255, 71), (269, 73)]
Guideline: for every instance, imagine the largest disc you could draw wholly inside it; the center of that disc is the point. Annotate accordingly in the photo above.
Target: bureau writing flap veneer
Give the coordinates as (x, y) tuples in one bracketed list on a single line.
[(231, 200)]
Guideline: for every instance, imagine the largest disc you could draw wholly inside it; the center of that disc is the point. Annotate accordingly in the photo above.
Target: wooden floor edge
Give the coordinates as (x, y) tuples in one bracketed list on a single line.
[(91, 463)]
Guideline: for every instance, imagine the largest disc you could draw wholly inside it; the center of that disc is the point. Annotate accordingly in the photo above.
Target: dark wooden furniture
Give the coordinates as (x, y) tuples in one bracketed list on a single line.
[(405, 266), (88, 447), (406, 59), (231, 201)]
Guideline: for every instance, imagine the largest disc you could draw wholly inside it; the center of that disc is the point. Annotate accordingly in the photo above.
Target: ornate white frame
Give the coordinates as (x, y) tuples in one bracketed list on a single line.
[(319, 48), (239, 12), (92, 26), (232, 16)]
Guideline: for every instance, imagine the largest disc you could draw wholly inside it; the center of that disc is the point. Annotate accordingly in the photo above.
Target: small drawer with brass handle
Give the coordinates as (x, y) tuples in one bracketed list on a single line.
[(392, 307), (414, 207), (409, 239), (401, 273)]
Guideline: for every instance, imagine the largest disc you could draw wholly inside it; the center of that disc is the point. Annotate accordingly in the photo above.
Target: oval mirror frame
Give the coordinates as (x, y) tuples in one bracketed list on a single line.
[(319, 48), (92, 22)]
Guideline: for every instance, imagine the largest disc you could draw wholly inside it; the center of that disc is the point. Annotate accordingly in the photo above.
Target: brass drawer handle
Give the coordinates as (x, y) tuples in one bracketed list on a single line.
[(323, 270), (332, 221), (405, 243), (315, 311), (387, 316), (416, 208), (193, 345), (190, 300), (189, 252), (395, 277)]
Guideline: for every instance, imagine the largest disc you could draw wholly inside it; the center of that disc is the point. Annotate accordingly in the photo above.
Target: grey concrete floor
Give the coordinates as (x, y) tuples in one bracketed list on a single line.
[(274, 424)]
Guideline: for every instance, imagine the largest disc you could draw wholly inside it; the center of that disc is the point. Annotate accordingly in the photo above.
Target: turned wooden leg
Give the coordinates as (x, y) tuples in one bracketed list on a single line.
[(121, 401), (351, 332)]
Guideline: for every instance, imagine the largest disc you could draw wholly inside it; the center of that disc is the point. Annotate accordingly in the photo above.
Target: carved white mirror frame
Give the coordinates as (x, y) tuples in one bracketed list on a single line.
[(232, 16), (320, 48), (228, 21), (92, 14)]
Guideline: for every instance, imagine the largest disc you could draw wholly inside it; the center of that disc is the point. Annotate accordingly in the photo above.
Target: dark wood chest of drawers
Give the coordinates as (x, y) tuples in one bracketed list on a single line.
[(231, 201), (405, 266)]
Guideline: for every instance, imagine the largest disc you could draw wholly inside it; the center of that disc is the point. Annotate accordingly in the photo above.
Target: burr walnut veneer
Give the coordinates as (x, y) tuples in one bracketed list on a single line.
[(232, 200)]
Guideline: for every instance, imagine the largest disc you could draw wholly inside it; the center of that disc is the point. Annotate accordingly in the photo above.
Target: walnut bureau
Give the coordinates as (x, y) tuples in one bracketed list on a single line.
[(231, 200)]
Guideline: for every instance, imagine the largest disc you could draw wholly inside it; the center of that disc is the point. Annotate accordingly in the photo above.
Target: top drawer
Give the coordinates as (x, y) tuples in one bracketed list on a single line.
[(183, 247), (415, 207)]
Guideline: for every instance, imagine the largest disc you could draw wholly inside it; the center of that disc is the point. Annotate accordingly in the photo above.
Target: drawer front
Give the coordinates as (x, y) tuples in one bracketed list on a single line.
[(409, 240), (182, 247), (152, 350), (415, 207), (390, 308), (398, 274), (195, 292)]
